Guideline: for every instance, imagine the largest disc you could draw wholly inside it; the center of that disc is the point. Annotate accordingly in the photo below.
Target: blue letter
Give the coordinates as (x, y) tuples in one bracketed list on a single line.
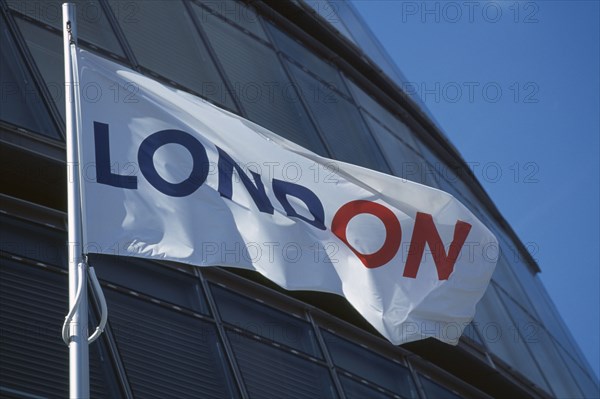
[(103, 173), (199, 162), (226, 166), (282, 189)]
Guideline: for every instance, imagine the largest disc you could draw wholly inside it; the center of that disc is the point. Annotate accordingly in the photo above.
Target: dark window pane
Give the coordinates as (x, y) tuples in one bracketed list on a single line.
[(273, 373), (403, 161), (370, 366), (358, 390), (164, 40), (261, 85), (267, 322), (416, 169), (21, 103), (308, 59), (35, 360), (92, 24), (340, 122), (33, 241), (152, 279), (435, 390), (30, 177), (380, 113), (167, 354), (236, 12), (103, 381), (47, 51)]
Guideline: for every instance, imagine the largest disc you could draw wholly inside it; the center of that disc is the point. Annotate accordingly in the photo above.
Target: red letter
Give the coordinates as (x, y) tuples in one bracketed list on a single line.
[(425, 232), (393, 232)]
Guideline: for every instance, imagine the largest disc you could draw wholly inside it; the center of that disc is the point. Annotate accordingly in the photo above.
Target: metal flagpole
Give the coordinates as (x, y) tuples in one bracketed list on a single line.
[(77, 319)]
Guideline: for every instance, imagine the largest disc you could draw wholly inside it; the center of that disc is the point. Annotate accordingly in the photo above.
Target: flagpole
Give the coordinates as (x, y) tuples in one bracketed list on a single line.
[(78, 298)]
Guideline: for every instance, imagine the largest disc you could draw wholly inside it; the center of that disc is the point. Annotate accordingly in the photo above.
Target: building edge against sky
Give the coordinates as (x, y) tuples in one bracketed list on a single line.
[(314, 74)]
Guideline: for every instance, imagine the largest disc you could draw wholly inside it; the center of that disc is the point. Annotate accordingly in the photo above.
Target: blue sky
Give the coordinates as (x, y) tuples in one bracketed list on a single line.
[(542, 130)]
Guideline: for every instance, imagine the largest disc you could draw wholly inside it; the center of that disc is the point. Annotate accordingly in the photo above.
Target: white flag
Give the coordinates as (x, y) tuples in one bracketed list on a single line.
[(169, 176)]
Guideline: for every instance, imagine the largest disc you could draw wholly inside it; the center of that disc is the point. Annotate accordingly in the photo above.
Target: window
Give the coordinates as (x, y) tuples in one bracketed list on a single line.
[(35, 360), (360, 390), (587, 383), (340, 122), (21, 103), (260, 84), (366, 40), (291, 47), (235, 11), (92, 24), (47, 51), (33, 241), (270, 372), (164, 40), (269, 323), (505, 279), (553, 322), (385, 117), (366, 364), (153, 279), (502, 338), (167, 353), (403, 161), (542, 348), (543, 308), (435, 390)]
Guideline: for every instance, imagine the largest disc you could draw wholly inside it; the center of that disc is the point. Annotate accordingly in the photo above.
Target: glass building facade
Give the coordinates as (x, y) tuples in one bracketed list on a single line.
[(312, 72)]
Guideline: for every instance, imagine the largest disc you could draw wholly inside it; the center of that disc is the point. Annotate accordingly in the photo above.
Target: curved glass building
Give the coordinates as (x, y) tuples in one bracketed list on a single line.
[(312, 72)]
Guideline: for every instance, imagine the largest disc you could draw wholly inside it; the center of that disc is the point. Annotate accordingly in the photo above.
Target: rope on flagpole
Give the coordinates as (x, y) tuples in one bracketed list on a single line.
[(103, 308), (69, 317)]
